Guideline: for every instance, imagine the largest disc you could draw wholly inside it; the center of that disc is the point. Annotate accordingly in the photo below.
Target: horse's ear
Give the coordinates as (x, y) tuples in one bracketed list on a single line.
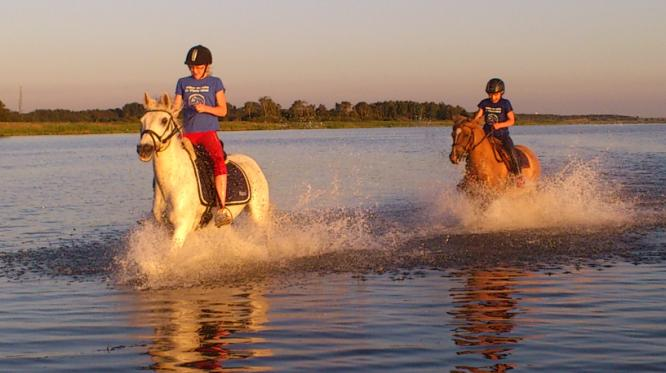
[(457, 119), (165, 100), (147, 101)]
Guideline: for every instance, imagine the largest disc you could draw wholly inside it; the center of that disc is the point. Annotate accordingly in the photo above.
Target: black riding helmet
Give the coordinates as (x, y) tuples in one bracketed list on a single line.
[(495, 85), (199, 55)]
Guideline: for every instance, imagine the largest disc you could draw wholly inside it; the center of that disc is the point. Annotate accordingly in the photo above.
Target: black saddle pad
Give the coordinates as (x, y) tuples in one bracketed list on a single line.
[(238, 189)]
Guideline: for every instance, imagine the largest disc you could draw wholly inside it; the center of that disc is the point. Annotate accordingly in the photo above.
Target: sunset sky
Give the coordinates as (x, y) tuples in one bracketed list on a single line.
[(561, 57)]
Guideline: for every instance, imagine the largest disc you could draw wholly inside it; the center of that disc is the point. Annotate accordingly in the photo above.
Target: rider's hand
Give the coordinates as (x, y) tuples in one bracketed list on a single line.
[(199, 108)]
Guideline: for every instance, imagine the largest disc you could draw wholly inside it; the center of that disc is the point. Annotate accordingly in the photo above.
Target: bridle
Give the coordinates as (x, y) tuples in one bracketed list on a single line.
[(159, 140), (470, 145)]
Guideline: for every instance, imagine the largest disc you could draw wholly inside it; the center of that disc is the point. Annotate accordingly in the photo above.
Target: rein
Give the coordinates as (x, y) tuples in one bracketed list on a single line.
[(483, 138), (156, 138), (467, 148)]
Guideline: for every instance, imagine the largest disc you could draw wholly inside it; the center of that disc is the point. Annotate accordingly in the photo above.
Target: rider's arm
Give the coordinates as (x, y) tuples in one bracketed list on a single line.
[(220, 110), (510, 120), (478, 114), (177, 102)]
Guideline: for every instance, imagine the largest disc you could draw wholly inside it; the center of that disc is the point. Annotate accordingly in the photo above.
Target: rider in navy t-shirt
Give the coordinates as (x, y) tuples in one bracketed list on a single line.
[(495, 112), (498, 116)]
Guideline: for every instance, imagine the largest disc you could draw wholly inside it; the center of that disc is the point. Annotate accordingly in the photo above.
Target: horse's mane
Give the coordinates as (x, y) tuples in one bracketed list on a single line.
[(461, 121)]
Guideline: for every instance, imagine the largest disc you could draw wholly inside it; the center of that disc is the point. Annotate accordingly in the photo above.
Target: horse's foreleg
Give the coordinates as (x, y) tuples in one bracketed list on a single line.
[(183, 220), (159, 204), (179, 235), (181, 228)]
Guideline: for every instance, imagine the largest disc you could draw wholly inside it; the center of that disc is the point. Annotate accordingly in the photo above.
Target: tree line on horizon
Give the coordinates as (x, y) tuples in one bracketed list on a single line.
[(264, 109)]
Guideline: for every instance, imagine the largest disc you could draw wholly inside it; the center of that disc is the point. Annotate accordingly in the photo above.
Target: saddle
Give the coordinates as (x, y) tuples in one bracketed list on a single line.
[(502, 156), (238, 188)]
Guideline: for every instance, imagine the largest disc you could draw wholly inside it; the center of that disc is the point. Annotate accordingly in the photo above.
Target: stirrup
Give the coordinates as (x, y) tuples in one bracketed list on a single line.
[(223, 217)]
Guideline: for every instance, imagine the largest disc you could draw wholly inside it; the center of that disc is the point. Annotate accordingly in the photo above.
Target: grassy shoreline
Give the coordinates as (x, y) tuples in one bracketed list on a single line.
[(84, 128), (64, 128)]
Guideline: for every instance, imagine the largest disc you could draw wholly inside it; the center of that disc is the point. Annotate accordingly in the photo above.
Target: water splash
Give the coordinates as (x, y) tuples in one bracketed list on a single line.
[(577, 197), (242, 251)]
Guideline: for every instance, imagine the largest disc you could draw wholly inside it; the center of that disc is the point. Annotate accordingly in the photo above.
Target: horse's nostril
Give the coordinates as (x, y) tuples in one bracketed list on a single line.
[(144, 149), (453, 158)]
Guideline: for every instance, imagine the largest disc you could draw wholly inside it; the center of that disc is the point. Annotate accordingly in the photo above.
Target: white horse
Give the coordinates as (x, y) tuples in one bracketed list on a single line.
[(176, 187)]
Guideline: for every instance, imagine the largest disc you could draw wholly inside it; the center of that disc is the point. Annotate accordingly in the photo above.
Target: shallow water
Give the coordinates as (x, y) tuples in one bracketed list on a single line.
[(378, 264)]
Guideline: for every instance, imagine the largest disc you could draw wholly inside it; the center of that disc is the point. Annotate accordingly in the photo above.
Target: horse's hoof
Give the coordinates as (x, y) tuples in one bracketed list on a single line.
[(223, 217)]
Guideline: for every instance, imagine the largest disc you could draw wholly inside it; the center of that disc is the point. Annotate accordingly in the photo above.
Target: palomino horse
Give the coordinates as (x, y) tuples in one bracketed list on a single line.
[(485, 170), (176, 190)]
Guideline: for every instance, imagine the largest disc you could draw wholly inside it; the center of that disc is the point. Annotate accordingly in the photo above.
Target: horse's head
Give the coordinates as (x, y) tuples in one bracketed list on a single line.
[(158, 126), (463, 137)]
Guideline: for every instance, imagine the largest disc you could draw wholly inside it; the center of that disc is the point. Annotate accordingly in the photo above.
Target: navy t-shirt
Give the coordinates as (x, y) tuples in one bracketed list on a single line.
[(495, 113), (199, 92)]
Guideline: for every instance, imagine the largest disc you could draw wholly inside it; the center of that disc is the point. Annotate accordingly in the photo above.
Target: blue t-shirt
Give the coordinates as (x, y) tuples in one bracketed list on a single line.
[(495, 113), (199, 92)]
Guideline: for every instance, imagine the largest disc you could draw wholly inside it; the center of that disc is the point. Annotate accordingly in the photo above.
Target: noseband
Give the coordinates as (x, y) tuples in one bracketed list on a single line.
[(159, 140)]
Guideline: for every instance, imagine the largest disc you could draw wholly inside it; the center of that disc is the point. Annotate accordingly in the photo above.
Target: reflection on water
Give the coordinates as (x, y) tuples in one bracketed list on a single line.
[(203, 329), (483, 317)]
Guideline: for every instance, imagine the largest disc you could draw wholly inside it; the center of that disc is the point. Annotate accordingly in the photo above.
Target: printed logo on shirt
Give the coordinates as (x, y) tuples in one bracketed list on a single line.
[(492, 114), (196, 99)]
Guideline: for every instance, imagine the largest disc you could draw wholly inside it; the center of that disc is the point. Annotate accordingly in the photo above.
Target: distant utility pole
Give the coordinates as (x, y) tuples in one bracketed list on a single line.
[(20, 103)]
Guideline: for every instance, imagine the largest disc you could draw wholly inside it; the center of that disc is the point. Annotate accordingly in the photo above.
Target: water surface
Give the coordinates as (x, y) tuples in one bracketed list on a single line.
[(379, 265)]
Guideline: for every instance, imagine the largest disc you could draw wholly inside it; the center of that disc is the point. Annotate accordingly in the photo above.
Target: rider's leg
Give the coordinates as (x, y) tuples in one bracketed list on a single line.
[(221, 187), (513, 159), (222, 216), (214, 147)]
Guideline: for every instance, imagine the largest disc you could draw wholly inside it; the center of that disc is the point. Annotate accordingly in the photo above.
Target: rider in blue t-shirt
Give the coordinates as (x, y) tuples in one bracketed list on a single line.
[(498, 116), (202, 98), (199, 91)]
